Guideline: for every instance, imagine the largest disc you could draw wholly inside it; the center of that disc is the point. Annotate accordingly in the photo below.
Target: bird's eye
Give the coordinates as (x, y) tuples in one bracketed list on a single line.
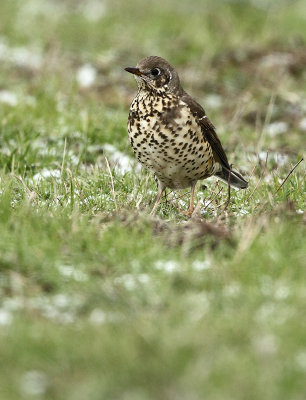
[(155, 71)]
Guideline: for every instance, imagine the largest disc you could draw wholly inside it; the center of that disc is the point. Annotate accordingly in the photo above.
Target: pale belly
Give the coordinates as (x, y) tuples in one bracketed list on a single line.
[(173, 148)]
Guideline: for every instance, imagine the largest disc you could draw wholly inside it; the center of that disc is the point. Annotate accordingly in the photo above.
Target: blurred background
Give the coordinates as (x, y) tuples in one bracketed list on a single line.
[(244, 60), (94, 302), (236, 55)]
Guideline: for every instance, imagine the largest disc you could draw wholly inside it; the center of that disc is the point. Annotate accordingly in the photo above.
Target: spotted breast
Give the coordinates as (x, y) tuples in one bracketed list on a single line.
[(167, 139)]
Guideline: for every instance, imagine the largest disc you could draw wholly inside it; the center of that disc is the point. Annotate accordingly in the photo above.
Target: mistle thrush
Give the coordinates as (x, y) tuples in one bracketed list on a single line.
[(171, 134)]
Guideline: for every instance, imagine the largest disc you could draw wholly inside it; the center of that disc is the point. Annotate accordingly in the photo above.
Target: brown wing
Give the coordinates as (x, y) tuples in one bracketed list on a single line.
[(208, 129)]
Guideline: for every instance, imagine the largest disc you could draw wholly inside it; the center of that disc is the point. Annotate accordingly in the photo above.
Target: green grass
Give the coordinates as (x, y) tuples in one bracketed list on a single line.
[(99, 301)]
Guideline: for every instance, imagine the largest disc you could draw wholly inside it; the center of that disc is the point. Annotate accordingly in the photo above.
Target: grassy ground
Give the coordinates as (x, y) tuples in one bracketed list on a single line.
[(98, 301)]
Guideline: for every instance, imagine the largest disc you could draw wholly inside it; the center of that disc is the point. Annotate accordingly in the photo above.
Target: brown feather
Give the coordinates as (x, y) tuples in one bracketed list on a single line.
[(208, 130)]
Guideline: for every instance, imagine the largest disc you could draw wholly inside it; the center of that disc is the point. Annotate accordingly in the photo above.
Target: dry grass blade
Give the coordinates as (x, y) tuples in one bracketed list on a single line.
[(281, 185), (112, 183), (228, 190), (260, 179), (212, 198)]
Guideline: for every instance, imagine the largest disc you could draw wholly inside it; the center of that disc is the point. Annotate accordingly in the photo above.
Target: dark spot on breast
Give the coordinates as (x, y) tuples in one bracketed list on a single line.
[(163, 136), (170, 113)]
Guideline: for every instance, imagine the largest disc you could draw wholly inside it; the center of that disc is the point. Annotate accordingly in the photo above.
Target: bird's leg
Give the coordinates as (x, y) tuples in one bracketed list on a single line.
[(191, 204), (161, 189)]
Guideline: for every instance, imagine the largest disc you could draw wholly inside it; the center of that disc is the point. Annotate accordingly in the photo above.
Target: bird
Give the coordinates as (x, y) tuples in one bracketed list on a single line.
[(171, 134)]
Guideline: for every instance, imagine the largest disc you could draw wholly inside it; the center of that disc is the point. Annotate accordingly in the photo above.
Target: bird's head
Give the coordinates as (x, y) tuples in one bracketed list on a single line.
[(155, 74)]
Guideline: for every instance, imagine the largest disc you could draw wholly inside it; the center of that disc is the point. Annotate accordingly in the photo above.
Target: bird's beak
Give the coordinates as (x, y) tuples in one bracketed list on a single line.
[(133, 70)]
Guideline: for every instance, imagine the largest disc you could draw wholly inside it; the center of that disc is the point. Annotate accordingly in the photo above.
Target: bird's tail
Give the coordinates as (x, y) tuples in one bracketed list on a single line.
[(232, 177)]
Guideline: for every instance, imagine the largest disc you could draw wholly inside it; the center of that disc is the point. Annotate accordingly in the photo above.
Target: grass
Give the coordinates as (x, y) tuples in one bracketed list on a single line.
[(98, 300)]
